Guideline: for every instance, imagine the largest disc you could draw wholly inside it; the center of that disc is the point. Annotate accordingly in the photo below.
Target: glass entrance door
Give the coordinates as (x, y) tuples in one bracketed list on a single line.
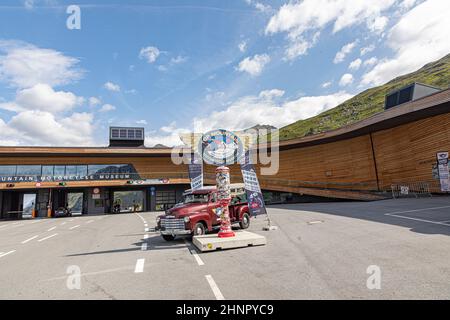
[(129, 201), (29, 201), (75, 203)]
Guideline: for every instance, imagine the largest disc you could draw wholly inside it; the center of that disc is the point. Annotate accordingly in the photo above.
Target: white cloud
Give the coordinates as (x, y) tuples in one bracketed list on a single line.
[(299, 17), (242, 46), (271, 94), (28, 4), (419, 37), (142, 121), (178, 59), (43, 97), (407, 4), (371, 61), (303, 20), (298, 46), (345, 50), (41, 113), (259, 6), (35, 127), (149, 53), (94, 101), (263, 109), (254, 65), (111, 86), (326, 84), (346, 79), (107, 108), (367, 49), (23, 65), (355, 64), (378, 24)]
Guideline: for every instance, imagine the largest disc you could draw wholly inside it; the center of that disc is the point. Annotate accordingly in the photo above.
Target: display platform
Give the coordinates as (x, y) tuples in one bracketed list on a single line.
[(212, 242)]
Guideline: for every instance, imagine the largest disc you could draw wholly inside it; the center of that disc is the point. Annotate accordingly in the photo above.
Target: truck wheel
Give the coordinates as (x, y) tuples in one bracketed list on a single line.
[(245, 222), (168, 237), (199, 229)]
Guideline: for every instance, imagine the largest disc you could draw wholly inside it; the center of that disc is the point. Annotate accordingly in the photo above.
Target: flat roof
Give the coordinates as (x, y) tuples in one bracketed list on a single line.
[(431, 105)]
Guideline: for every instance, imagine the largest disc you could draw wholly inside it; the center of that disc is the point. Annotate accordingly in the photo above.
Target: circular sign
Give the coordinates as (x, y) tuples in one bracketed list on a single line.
[(96, 191), (220, 147)]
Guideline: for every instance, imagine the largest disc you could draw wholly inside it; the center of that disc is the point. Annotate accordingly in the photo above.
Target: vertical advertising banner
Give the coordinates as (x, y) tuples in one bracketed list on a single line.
[(196, 172), (253, 190), (442, 162)]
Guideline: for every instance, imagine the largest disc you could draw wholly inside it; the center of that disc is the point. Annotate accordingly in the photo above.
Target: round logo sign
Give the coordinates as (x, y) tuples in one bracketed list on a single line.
[(96, 191), (220, 147)]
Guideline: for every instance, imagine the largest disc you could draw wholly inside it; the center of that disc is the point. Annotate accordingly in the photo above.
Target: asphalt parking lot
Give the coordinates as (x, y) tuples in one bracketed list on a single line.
[(320, 251)]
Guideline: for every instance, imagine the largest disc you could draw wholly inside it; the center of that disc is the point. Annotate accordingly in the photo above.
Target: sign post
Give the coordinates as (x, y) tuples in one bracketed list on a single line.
[(224, 198), (444, 179)]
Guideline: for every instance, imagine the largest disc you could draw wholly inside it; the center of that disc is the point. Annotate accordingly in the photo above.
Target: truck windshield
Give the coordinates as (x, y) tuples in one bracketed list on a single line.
[(196, 198)]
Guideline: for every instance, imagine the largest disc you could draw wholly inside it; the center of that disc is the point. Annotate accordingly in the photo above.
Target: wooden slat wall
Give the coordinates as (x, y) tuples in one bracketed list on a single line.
[(407, 153)]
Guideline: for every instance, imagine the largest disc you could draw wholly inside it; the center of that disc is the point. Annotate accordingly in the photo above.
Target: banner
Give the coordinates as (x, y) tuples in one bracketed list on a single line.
[(196, 172), (442, 161), (253, 190)]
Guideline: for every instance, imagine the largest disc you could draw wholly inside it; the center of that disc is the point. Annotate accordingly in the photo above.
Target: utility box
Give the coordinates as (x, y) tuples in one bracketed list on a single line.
[(409, 93)]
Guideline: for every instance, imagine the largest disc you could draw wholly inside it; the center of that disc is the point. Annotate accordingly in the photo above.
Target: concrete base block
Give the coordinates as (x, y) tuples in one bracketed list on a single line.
[(211, 242), (270, 228)]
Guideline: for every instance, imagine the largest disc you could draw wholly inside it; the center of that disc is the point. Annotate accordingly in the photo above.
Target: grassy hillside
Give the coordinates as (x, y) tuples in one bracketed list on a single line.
[(368, 102)]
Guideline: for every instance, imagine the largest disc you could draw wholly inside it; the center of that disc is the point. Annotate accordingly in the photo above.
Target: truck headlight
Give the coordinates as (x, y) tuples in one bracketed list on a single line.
[(186, 219)]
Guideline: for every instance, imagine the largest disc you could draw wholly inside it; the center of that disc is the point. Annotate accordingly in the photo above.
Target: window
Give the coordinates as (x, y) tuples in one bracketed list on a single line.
[(28, 170), (71, 170), (114, 133), (60, 170), (82, 170), (47, 170), (7, 170)]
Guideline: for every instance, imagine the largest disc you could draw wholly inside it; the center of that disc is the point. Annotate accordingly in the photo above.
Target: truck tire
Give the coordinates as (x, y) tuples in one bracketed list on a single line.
[(199, 229), (168, 237), (245, 222)]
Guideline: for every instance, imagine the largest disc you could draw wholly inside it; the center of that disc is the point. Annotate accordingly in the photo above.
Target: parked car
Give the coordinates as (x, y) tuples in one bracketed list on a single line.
[(62, 212), (196, 215)]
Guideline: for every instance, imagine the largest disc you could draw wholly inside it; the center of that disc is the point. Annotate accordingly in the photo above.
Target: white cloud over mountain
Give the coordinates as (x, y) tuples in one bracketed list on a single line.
[(420, 36)]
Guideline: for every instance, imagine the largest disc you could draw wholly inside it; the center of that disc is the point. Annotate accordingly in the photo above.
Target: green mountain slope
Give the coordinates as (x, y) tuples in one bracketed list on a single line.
[(368, 102)]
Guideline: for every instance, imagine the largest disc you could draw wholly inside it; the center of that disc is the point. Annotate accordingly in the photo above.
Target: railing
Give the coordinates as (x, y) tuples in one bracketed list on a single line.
[(410, 189)]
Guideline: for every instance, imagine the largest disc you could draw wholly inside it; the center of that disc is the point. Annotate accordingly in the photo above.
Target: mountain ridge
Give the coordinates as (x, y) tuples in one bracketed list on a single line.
[(368, 102)]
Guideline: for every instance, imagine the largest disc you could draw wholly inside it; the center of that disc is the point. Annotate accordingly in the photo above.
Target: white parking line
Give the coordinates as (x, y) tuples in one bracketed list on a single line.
[(420, 220), (52, 228), (415, 210), (63, 223), (53, 235), (146, 236), (139, 266), (90, 221), (197, 258), (144, 246), (5, 254), (28, 240), (215, 289), (71, 228)]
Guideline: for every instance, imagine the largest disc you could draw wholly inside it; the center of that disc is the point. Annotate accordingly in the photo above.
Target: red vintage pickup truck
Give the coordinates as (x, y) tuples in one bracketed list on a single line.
[(196, 215)]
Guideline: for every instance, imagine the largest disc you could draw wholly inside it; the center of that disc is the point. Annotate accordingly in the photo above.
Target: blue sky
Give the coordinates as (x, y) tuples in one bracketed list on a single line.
[(175, 66)]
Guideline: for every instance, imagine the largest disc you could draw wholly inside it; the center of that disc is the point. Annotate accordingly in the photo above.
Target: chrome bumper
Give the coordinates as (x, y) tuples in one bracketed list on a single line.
[(175, 232)]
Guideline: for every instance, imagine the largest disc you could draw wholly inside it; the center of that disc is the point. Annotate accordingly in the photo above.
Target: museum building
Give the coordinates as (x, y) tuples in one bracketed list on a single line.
[(365, 160)]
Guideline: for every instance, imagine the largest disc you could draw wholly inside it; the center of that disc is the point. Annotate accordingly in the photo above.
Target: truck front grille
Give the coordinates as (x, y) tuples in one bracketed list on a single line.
[(172, 224)]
